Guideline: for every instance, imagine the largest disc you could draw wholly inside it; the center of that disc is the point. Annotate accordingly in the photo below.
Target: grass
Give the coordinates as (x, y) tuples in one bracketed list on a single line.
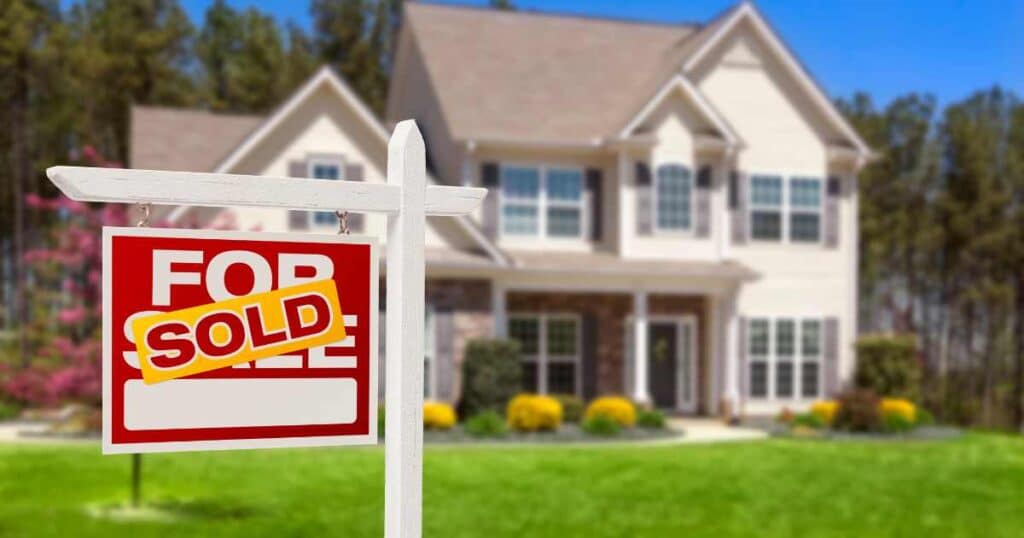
[(972, 486)]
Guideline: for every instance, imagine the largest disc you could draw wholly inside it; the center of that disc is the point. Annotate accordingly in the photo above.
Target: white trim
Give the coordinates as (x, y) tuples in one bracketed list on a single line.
[(703, 106), (748, 11)]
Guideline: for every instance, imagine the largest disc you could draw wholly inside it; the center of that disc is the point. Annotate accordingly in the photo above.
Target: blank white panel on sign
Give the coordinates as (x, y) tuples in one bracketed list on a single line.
[(219, 403)]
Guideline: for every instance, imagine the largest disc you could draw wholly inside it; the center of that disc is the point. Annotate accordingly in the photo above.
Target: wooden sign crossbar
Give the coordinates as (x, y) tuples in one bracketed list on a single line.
[(406, 199)]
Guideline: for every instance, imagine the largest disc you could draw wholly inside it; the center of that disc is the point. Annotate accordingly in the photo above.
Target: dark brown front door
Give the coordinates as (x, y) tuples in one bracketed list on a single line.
[(662, 354)]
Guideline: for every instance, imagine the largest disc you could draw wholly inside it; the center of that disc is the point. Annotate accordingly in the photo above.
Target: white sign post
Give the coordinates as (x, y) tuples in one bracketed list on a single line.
[(406, 199)]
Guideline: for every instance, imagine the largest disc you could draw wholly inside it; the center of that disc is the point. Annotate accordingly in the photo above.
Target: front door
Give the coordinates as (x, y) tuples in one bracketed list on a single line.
[(662, 346)]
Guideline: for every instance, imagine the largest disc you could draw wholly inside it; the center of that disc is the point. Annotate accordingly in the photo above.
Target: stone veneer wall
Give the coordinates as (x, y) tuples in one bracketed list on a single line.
[(470, 302)]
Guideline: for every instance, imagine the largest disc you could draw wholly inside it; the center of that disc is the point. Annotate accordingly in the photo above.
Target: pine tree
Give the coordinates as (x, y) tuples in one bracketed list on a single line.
[(130, 51)]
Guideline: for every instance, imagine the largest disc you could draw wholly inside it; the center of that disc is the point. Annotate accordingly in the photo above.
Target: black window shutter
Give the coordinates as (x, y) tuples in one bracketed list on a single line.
[(489, 179), (643, 174), (596, 203), (704, 177), (589, 333), (734, 190), (489, 175)]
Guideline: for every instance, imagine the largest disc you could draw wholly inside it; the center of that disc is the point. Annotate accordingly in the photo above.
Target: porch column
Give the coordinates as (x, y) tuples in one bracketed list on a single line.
[(498, 308), (730, 320), (640, 355)]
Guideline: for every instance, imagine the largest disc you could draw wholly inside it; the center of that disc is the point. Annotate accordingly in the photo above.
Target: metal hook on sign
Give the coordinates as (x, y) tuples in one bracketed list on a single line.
[(342, 222), (143, 214)]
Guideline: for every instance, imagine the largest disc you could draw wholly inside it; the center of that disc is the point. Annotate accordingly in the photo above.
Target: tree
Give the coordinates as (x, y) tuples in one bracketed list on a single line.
[(243, 59), (129, 51), (357, 38)]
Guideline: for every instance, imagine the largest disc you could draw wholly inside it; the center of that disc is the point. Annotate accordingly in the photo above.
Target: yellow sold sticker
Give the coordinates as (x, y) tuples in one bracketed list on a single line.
[(221, 334)]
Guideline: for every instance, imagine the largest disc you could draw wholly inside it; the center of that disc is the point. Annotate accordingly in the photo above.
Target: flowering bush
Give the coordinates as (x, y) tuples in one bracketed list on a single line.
[(533, 412), (616, 408), (825, 411), (898, 407), (438, 416)]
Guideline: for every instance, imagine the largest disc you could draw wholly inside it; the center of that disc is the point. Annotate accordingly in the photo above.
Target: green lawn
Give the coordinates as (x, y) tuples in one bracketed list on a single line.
[(968, 487)]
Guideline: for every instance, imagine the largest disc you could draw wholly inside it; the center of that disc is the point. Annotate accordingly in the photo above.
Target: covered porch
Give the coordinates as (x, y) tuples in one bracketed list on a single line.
[(666, 339)]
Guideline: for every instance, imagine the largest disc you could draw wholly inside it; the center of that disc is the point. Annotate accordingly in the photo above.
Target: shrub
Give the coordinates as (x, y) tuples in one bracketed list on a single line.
[(532, 412), (490, 375), (808, 420), (786, 416), (616, 408), (858, 411), (9, 410), (888, 364), (898, 407), (652, 419), (438, 416), (924, 417), (572, 407), (485, 424), (602, 425), (825, 411), (896, 423)]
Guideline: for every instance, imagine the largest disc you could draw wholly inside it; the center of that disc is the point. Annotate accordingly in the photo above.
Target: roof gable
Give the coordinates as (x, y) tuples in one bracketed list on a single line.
[(746, 13)]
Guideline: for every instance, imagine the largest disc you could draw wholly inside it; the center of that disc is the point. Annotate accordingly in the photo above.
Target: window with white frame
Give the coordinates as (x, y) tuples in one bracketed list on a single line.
[(541, 201), (785, 209), (766, 208), (550, 351), (804, 210), (329, 169), (784, 358), (673, 195)]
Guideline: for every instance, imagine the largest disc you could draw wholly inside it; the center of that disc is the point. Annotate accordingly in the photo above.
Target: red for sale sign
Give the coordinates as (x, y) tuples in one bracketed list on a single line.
[(223, 340)]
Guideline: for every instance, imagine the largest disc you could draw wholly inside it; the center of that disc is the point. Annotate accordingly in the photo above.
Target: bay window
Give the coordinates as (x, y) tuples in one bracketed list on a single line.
[(541, 201)]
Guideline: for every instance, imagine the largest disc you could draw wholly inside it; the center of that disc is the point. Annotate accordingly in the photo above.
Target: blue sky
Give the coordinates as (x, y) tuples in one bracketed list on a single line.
[(887, 48)]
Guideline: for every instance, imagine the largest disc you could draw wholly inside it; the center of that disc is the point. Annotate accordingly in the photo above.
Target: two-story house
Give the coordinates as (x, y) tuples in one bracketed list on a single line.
[(672, 210)]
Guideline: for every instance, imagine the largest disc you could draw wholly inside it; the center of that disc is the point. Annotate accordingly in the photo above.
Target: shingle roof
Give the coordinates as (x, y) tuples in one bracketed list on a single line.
[(539, 77), (183, 139)]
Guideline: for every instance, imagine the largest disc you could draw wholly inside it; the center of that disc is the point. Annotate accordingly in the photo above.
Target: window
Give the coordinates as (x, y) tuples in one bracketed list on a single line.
[(550, 351), (766, 207), (329, 169), (673, 195), (759, 353), (784, 358), (541, 201), (785, 209), (804, 210)]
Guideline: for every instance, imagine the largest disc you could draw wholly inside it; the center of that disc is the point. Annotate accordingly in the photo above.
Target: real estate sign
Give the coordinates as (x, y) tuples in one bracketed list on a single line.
[(221, 340)]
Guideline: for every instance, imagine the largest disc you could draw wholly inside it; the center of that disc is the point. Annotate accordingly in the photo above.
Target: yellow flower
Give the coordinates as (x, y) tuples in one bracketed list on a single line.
[(533, 412), (615, 408), (898, 407), (438, 416), (825, 410)]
